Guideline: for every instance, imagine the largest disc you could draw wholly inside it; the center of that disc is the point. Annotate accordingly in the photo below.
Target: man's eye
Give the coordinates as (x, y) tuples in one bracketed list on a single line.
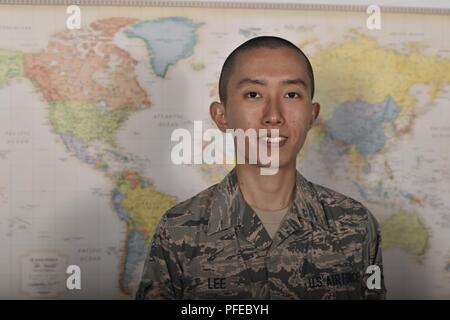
[(293, 95), (252, 94)]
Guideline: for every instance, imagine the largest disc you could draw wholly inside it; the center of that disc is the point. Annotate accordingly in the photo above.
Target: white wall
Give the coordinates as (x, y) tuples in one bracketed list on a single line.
[(400, 3)]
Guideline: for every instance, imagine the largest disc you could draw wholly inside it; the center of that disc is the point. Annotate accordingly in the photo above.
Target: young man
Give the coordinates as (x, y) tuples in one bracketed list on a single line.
[(255, 236)]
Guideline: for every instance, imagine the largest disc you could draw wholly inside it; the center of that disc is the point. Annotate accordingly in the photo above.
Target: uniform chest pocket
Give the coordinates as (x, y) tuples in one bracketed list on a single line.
[(333, 268), (217, 272)]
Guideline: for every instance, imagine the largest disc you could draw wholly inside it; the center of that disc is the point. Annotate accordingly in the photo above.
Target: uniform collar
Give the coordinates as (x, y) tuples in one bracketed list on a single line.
[(229, 209)]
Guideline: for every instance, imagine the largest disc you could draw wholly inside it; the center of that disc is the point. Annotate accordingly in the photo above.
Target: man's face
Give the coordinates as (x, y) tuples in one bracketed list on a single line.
[(270, 89)]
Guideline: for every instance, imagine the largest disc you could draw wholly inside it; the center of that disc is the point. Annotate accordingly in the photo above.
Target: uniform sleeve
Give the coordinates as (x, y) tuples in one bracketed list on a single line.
[(162, 274), (373, 257)]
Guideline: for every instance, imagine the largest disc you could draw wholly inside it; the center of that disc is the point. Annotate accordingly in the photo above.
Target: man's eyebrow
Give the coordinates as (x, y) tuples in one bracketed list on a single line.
[(298, 81), (250, 81)]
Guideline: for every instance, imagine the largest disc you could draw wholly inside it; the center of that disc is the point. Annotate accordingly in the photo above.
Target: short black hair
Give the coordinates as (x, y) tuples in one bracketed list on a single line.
[(259, 42)]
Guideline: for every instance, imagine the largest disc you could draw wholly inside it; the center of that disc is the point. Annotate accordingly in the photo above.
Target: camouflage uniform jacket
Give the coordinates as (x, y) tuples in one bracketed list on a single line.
[(214, 246)]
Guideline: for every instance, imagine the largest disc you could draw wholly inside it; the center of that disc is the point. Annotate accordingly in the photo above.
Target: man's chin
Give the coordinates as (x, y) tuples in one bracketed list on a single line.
[(281, 165)]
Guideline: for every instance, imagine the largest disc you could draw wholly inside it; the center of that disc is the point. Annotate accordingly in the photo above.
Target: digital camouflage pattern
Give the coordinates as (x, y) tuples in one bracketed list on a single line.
[(214, 246)]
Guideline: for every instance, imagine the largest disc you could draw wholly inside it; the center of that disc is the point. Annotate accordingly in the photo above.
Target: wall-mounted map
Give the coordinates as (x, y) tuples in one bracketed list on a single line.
[(86, 117)]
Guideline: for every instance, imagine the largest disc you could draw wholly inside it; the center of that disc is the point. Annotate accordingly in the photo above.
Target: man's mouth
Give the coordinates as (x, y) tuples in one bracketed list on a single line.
[(275, 141)]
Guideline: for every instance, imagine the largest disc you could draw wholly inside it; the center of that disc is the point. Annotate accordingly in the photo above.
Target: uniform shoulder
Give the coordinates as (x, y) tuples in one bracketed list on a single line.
[(334, 198), (190, 212), (343, 207)]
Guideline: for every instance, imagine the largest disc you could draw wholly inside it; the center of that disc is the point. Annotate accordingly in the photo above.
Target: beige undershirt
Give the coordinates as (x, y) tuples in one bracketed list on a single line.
[(271, 219)]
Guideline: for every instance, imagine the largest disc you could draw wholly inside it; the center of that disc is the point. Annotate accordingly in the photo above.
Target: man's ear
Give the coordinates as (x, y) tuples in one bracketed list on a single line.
[(315, 113), (217, 112)]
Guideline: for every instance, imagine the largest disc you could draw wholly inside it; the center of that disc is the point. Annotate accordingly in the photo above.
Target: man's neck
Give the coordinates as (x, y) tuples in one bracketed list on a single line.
[(267, 192)]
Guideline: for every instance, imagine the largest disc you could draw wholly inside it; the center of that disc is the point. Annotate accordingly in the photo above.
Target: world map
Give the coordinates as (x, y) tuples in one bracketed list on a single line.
[(86, 117)]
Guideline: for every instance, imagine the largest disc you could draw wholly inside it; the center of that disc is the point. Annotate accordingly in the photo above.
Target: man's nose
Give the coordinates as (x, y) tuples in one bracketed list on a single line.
[(273, 114)]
